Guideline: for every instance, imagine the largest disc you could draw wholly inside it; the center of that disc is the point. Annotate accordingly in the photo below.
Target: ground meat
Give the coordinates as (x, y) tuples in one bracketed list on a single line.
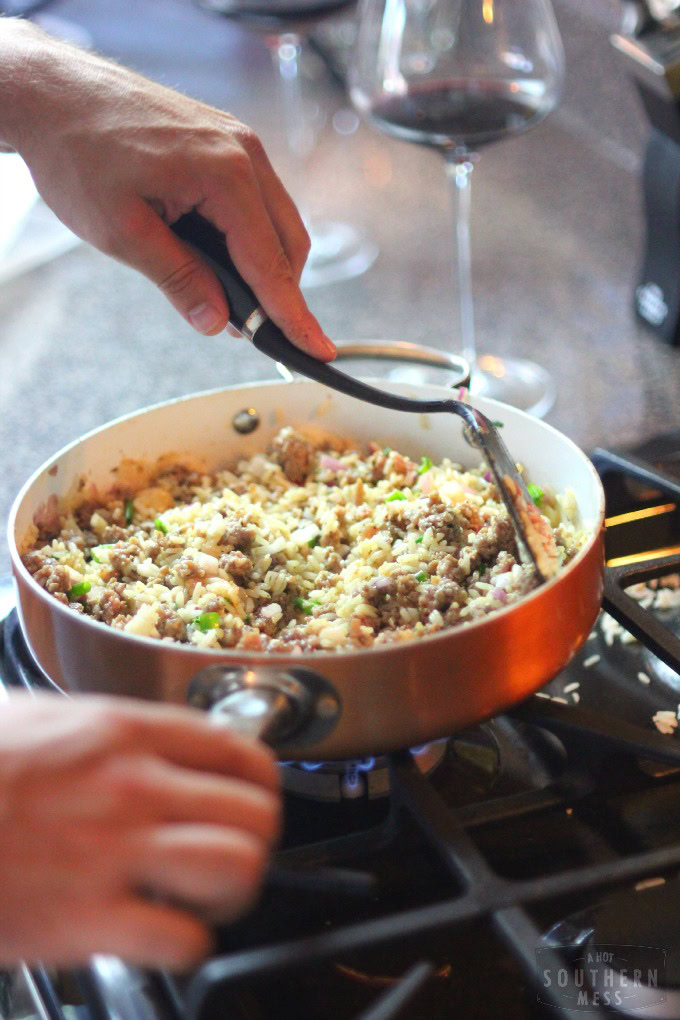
[(73, 536), (251, 640), (361, 630), (294, 454), (334, 562), (170, 624), (495, 536), (389, 595), (404, 467), (122, 558), (295, 640), (377, 462), (84, 513), (237, 564), (441, 517), (441, 596), (111, 604), (188, 569), (113, 533), (238, 535), (53, 577), (33, 561)]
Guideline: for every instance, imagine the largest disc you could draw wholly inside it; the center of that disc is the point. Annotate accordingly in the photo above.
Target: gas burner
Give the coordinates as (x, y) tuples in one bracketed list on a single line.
[(540, 836), (335, 781)]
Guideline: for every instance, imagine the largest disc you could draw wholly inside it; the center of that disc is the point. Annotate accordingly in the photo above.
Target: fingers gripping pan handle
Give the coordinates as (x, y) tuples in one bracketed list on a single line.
[(246, 314), (281, 707)]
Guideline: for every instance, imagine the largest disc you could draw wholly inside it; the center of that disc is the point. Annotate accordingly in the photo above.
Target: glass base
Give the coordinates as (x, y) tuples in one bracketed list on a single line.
[(514, 381), (338, 252)]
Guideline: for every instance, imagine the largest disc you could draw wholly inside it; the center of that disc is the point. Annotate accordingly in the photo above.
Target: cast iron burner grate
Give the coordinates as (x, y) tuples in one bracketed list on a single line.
[(435, 903)]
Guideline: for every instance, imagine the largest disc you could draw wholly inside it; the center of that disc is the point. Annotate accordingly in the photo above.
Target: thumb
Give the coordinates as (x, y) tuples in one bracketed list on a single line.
[(187, 282)]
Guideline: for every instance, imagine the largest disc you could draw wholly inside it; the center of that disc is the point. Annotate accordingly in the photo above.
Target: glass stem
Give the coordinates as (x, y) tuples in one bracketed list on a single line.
[(458, 172), (299, 134)]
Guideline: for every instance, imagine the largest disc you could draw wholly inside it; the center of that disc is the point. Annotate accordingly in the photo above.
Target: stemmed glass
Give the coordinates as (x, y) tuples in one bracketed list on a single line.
[(339, 251), (456, 75)]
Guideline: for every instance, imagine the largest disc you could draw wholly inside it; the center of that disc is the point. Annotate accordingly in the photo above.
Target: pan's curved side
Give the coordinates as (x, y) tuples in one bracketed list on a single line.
[(395, 696)]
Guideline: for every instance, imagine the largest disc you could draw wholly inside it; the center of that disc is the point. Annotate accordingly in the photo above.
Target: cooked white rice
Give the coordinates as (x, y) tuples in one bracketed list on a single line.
[(300, 549)]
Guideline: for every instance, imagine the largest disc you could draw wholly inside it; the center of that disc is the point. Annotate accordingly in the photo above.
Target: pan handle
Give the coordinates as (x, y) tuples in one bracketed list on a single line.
[(281, 707)]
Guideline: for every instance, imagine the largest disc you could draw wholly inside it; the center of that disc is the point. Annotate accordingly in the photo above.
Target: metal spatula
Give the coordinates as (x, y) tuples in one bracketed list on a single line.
[(534, 536)]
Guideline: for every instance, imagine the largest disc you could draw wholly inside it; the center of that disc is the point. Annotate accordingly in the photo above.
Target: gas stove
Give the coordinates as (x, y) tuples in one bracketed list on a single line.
[(526, 865)]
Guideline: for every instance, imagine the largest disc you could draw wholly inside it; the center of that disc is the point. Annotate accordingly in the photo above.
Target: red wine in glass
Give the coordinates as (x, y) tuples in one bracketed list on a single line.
[(466, 116)]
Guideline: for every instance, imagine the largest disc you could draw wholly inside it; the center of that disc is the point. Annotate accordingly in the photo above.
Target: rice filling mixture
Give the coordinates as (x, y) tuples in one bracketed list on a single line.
[(309, 547)]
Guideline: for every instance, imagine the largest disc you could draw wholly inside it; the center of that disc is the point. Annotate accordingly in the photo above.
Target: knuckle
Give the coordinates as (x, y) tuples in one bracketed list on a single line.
[(278, 266), (241, 167), (110, 725), (182, 279), (248, 140)]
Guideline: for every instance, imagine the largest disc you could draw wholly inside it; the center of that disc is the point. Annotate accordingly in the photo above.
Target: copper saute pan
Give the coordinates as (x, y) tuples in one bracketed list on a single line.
[(320, 705)]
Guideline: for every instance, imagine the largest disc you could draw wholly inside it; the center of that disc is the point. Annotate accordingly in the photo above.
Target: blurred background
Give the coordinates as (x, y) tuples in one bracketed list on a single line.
[(557, 233)]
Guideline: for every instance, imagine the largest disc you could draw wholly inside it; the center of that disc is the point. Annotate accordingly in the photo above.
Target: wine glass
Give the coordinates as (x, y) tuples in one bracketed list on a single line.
[(338, 250), (456, 75)]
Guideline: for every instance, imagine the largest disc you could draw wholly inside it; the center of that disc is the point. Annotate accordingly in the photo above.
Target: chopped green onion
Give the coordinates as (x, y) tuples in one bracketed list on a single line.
[(425, 465), (248, 618), (129, 511), (77, 590), (482, 568), (387, 451), (422, 576), (535, 493), (498, 424), (306, 606), (397, 494), (207, 621), (313, 542), (160, 525), (96, 548), (419, 540)]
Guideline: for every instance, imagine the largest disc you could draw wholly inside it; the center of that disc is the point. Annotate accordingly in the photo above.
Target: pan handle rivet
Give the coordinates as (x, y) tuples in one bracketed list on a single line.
[(327, 707), (245, 421)]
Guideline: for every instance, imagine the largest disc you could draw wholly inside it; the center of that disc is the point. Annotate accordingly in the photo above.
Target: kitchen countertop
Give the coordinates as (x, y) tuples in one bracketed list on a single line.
[(556, 231)]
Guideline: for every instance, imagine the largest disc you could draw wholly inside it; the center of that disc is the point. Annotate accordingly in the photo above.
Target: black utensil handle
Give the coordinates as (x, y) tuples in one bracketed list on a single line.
[(267, 337), (210, 244)]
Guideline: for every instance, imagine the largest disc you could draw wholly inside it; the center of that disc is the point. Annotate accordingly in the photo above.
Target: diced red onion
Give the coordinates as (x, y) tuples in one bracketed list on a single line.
[(330, 463), (487, 476), (500, 594)]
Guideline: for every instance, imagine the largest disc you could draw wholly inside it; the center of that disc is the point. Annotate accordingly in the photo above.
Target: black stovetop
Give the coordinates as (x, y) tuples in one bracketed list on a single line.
[(541, 835)]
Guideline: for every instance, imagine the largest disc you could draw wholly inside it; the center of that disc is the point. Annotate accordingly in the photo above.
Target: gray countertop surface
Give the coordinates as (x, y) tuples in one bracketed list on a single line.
[(557, 234)]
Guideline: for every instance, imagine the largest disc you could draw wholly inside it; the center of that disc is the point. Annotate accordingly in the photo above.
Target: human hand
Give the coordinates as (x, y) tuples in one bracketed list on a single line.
[(119, 157), (122, 824)]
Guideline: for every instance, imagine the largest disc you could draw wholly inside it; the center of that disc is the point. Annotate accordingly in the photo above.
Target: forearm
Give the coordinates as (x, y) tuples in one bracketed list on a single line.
[(23, 62)]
